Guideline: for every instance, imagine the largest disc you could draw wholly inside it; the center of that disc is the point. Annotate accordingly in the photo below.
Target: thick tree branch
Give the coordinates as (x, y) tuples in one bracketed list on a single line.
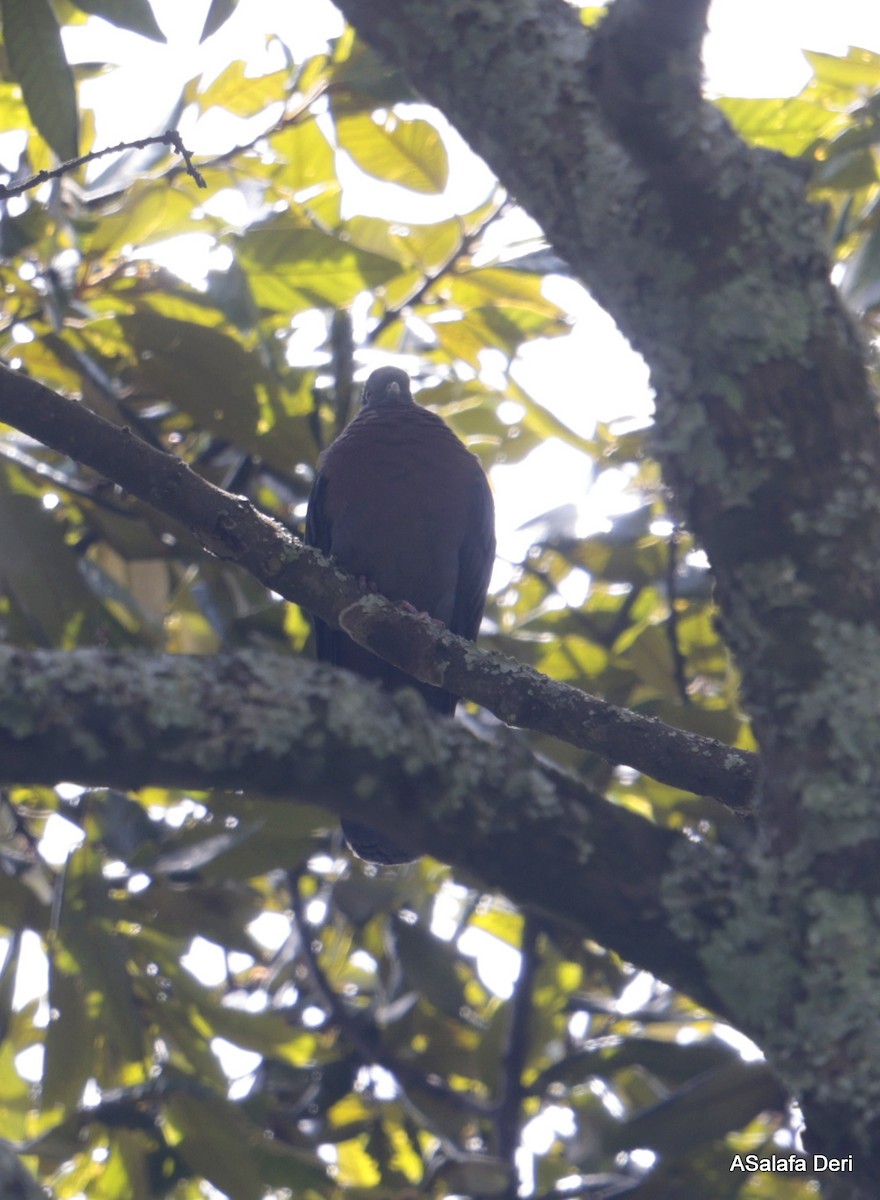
[(296, 730), (230, 527)]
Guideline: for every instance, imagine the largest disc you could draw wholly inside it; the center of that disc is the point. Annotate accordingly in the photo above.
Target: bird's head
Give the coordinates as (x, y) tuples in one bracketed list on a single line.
[(388, 385)]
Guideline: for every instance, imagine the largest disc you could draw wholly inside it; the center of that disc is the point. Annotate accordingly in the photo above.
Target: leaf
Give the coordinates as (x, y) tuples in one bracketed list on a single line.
[(295, 267), (194, 857), (38, 571), (361, 80), (37, 60), (244, 95), (409, 153), (857, 71), (705, 1109), (100, 951), (154, 212), (15, 1092), (70, 1039), (214, 1142), (219, 12), (430, 967), (202, 371), (790, 125), (305, 157), (136, 15)]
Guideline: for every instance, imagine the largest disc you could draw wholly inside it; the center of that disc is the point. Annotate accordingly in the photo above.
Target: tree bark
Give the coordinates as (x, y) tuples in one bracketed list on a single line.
[(301, 731)]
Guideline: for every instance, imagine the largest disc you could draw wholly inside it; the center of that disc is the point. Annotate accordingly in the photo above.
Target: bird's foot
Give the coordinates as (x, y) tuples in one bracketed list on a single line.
[(425, 616)]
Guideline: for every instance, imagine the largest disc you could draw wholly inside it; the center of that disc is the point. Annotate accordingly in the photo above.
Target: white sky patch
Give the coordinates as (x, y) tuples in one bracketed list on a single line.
[(29, 1063), (206, 961), (446, 913), (32, 976), (755, 47), (60, 837), (643, 1159), (270, 930), (636, 994), (234, 1061), (178, 814), (745, 1047), (498, 965), (380, 1082), (189, 255), (553, 1122)]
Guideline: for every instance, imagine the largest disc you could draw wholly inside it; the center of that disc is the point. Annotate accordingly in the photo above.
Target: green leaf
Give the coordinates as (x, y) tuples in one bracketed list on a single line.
[(305, 157), (846, 170), (100, 952), (201, 370), (214, 1142), (410, 153), (136, 15), (244, 95), (295, 267), (361, 80), (704, 1109), (154, 212), (788, 125), (858, 71), (37, 569), (15, 1092), (70, 1039), (430, 967), (37, 60), (219, 12)]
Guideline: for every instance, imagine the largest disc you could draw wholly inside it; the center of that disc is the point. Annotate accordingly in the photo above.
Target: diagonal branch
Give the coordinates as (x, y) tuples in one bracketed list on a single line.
[(230, 527)]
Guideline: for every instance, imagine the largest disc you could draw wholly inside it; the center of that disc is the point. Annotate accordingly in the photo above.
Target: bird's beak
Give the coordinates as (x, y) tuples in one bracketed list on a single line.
[(394, 389)]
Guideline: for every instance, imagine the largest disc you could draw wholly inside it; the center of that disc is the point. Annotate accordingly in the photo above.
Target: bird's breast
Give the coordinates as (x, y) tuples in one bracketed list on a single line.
[(396, 501)]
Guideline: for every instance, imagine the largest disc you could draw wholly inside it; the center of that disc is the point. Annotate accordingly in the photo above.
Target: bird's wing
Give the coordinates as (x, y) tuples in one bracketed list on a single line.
[(475, 561), (320, 535)]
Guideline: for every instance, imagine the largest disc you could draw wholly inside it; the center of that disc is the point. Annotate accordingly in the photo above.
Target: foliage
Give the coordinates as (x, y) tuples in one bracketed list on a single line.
[(400, 1029)]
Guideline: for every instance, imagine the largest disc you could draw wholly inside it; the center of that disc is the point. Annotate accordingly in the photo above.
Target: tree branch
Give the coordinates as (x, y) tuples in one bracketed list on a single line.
[(296, 730), (231, 528)]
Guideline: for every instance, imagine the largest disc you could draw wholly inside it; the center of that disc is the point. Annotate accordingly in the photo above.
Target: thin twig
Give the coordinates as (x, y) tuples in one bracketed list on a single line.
[(446, 268), (516, 1053), (291, 117), (170, 137), (678, 659)]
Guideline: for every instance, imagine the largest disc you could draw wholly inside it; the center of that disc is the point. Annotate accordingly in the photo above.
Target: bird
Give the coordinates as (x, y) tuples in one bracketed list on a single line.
[(398, 501)]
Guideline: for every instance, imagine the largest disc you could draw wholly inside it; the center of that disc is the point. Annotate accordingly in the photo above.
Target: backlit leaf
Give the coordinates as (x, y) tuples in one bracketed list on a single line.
[(409, 153)]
